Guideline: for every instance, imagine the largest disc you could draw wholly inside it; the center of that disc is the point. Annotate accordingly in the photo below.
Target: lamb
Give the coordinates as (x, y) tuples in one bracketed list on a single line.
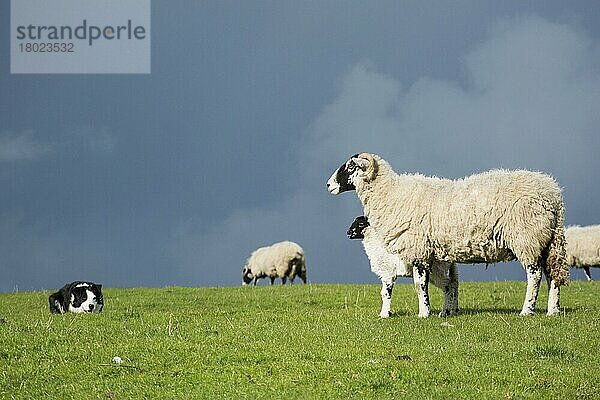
[(283, 260), (388, 266), (494, 216), (583, 247)]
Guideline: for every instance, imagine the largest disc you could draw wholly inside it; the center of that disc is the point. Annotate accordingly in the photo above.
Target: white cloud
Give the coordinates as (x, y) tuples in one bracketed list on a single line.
[(24, 146), (21, 147)]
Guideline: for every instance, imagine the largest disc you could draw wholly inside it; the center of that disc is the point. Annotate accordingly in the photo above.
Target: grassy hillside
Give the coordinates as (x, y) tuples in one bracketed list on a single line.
[(312, 341)]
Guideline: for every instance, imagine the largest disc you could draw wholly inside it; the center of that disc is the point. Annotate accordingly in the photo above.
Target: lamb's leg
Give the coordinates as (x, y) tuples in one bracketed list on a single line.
[(421, 280), (255, 280), (453, 274), (588, 274), (553, 297), (387, 285), (272, 278), (445, 276), (534, 278), (283, 280)]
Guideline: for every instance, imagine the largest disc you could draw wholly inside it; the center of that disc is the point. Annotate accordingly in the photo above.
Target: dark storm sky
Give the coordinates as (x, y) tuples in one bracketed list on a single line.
[(173, 178)]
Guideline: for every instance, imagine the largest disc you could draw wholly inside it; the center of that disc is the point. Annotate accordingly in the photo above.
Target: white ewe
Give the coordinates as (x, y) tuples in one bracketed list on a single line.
[(583, 247), (388, 267), (283, 260), (485, 218)]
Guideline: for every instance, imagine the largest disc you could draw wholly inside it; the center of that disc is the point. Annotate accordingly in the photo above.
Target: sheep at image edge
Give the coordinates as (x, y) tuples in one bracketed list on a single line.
[(494, 216), (583, 247), (388, 267), (283, 260)]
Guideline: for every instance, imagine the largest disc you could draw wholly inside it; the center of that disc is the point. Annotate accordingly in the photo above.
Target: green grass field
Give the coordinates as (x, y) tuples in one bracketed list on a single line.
[(311, 341)]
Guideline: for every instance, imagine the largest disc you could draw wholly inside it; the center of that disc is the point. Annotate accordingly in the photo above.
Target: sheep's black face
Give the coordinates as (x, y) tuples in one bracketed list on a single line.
[(247, 276), (357, 229), (342, 179), (303, 275)]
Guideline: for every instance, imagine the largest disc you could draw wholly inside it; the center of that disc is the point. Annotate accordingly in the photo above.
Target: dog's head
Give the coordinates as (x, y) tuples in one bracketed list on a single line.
[(77, 297)]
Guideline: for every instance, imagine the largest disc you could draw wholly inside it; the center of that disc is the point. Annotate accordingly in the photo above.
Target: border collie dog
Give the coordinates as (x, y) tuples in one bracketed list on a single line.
[(77, 297)]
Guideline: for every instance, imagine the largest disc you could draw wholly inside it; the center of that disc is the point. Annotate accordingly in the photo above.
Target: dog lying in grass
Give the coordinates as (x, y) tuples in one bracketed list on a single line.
[(77, 297)]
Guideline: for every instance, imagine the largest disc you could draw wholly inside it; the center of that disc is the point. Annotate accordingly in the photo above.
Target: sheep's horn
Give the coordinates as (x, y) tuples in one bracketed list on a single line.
[(372, 167)]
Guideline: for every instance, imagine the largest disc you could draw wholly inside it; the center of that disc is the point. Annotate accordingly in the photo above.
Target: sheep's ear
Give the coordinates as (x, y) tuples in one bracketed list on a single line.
[(367, 163)]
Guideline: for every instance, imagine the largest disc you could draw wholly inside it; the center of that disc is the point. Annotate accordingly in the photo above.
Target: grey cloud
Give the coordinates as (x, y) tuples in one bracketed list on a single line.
[(54, 257), (216, 255), (528, 102), (99, 141)]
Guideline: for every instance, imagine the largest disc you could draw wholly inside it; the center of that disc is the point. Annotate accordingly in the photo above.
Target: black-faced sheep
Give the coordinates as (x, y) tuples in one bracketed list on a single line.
[(388, 266), (583, 247), (283, 260), (484, 218)]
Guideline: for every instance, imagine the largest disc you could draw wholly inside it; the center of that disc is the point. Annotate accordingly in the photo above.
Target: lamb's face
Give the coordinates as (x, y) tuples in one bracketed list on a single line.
[(349, 174), (357, 229)]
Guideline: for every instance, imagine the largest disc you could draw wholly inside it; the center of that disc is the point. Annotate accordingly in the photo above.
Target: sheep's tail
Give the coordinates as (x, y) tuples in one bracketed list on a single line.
[(556, 260)]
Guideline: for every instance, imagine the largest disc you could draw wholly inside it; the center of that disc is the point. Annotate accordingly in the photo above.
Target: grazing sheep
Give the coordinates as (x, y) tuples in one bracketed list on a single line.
[(388, 266), (283, 260), (485, 218), (583, 247)]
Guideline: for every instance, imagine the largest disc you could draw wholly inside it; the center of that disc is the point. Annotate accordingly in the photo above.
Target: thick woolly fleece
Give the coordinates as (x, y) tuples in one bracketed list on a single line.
[(485, 218), (388, 266), (495, 216), (583, 247), (280, 260)]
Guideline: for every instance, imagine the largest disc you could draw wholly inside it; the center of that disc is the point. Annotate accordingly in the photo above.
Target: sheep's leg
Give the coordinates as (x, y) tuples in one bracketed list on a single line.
[(283, 280), (386, 297), (421, 280), (588, 274), (534, 278), (255, 280), (553, 297), (272, 280)]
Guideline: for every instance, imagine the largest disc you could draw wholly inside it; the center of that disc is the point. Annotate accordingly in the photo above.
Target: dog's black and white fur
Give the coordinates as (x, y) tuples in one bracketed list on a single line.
[(77, 297)]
